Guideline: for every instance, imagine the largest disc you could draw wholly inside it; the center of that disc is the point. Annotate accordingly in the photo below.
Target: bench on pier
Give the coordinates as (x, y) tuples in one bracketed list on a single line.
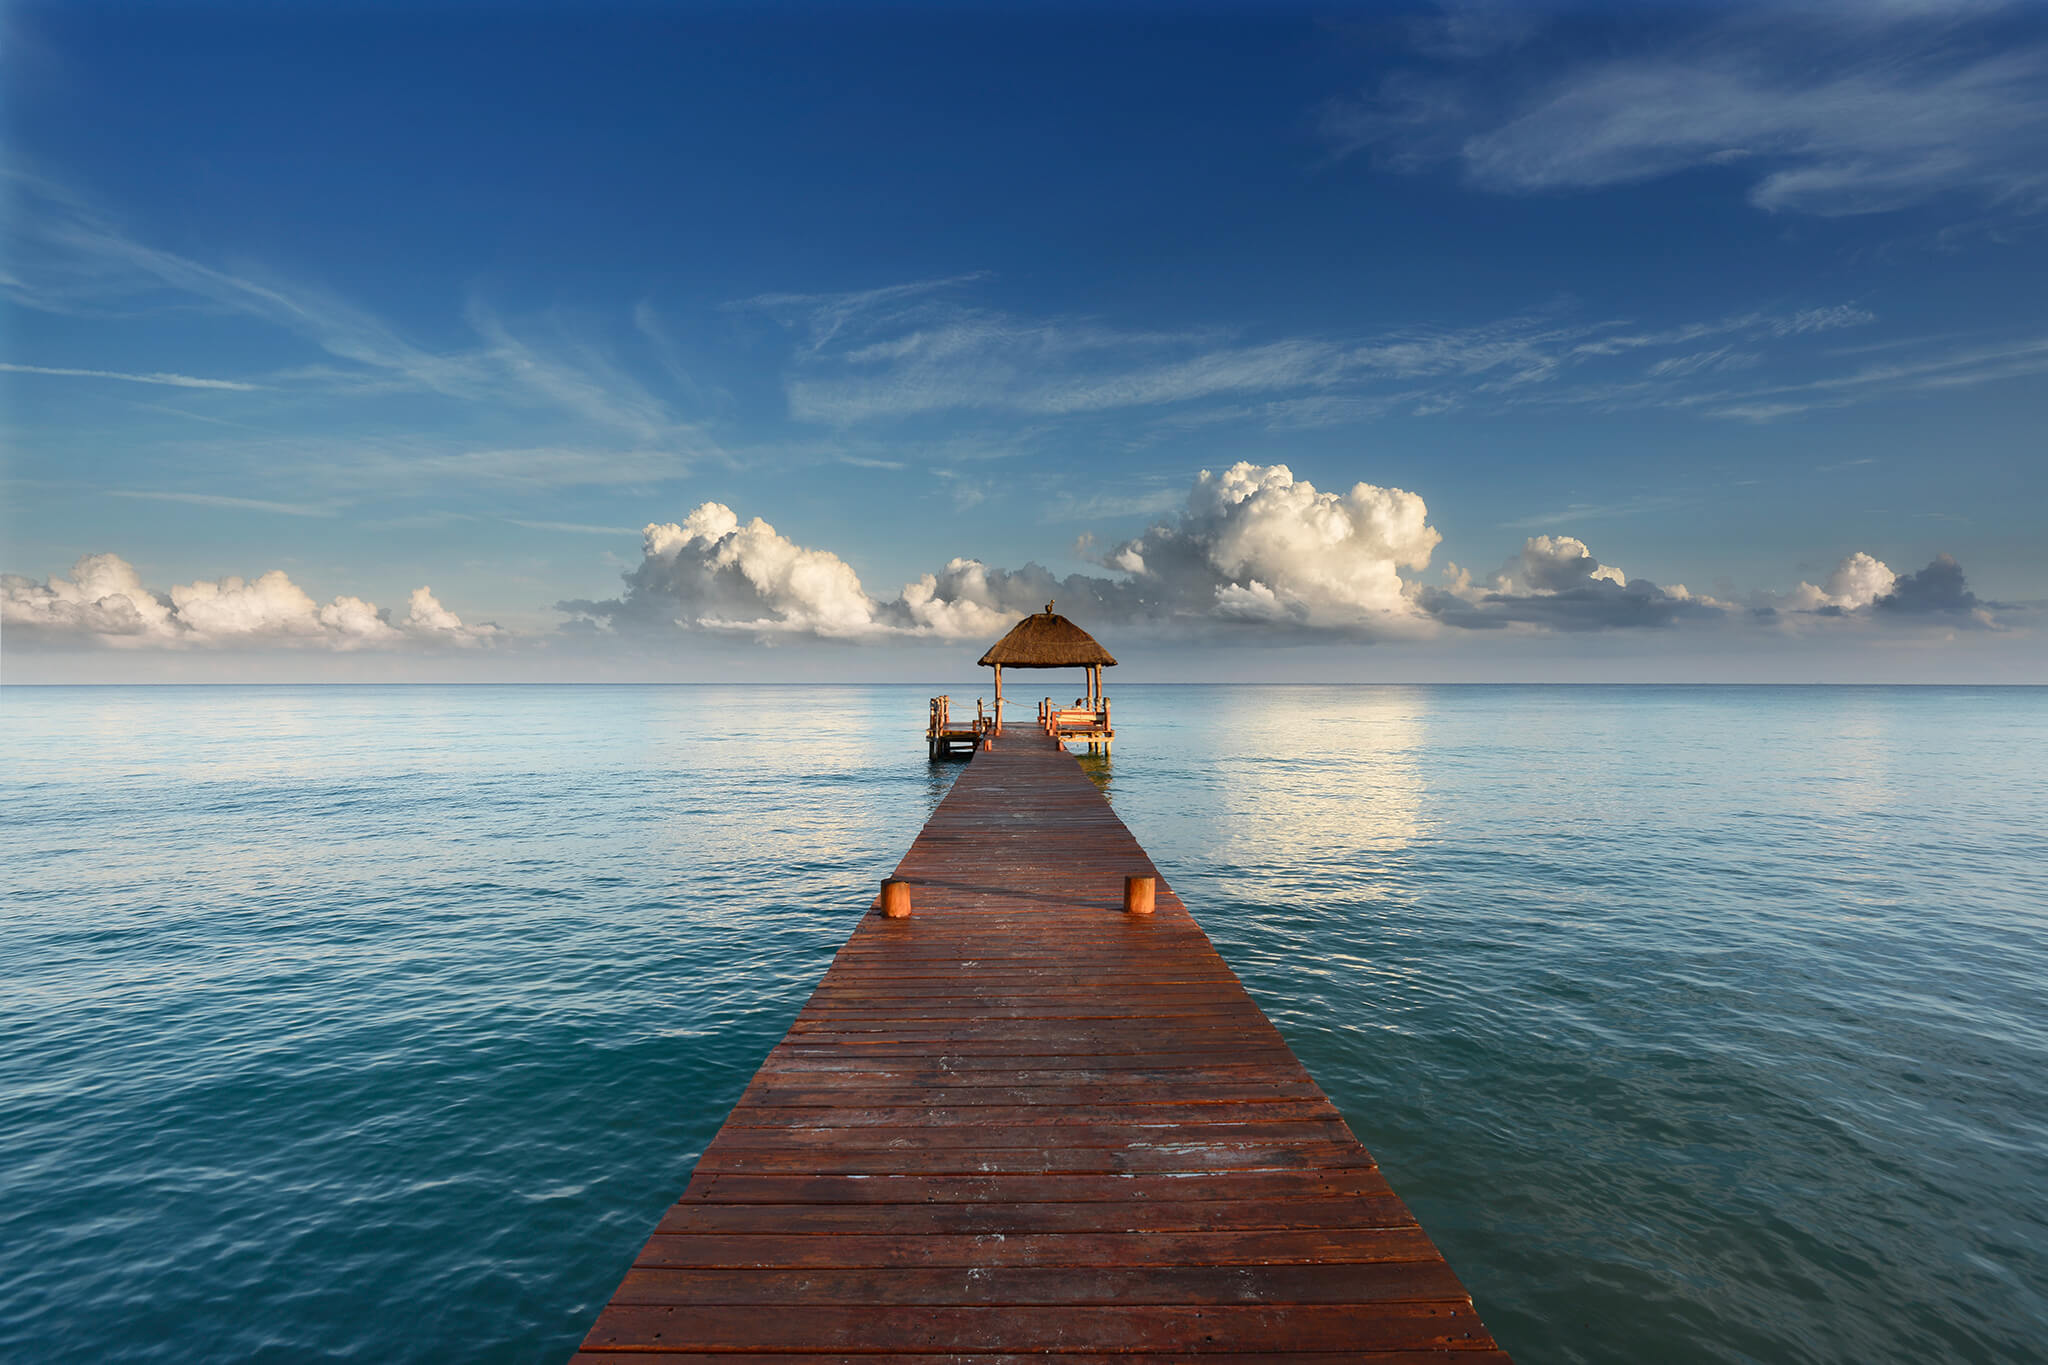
[(1089, 724)]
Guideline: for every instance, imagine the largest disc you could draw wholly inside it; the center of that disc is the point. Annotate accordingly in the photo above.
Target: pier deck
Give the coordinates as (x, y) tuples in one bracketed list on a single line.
[(1022, 1122)]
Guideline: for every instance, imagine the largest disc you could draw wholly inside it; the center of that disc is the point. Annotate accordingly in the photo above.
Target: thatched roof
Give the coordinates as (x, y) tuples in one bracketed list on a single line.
[(1044, 640)]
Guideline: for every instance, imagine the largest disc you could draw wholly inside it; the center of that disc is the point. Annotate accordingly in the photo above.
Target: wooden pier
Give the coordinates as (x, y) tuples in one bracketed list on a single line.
[(945, 738), (1023, 1122)]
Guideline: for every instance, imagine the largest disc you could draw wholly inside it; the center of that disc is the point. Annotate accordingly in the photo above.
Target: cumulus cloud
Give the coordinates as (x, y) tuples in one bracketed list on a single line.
[(968, 599), (1857, 581), (1252, 548), (711, 571), (1864, 588), (1252, 543), (1255, 542), (1557, 564), (1556, 582), (104, 596), (1937, 588), (105, 601)]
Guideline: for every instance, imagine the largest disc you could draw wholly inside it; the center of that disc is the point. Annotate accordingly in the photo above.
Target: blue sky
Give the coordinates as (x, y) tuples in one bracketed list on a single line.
[(1593, 302)]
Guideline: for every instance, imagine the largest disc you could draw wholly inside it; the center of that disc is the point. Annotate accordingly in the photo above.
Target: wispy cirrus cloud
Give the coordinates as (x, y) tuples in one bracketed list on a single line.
[(1953, 368), (289, 509), (174, 381), (824, 317), (574, 528), (68, 258), (882, 356), (1827, 110)]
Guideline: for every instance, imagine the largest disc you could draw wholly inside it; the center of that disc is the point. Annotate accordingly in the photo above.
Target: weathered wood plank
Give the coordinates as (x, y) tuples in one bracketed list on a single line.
[(659, 1357), (1365, 1282), (1021, 1122), (1285, 1246), (1178, 1328)]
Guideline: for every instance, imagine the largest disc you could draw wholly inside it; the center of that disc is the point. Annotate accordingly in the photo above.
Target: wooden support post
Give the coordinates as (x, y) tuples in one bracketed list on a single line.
[(999, 697), (1137, 895), (895, 898)]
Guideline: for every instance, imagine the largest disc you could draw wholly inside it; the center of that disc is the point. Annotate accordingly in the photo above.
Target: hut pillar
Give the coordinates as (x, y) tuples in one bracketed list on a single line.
[(999, 698)]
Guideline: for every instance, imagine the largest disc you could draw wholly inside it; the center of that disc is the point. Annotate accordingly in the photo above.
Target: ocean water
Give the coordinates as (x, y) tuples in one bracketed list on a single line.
[(1696, 1024)]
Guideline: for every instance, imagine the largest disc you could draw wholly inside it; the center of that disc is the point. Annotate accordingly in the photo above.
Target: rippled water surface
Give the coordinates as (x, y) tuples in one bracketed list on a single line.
[(381, 1023)]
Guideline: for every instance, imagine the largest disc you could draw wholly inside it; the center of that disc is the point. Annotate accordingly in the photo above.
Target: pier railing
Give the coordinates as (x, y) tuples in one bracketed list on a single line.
[(943, 736)]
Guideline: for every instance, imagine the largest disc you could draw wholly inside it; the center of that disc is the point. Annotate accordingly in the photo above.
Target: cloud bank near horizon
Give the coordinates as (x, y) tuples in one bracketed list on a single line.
[(1253, 555), (105, 601)]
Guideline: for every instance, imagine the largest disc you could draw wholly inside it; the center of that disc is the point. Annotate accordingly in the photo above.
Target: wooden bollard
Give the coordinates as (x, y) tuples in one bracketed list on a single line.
[(1138, 895), (895, 898)]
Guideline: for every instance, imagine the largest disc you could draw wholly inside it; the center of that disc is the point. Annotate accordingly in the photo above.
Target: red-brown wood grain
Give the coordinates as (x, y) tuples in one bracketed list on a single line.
[(1021, 1122)]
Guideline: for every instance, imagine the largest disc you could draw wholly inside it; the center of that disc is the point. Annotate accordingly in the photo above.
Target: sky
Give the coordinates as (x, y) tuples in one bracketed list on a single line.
[(1461, 342)]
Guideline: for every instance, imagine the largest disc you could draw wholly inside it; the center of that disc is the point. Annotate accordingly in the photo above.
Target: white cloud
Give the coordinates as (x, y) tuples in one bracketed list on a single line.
[(711, 571), (70, 259), (824, 317), (1254, 541), (961, 603), (104, 596), (1251, 542), (105, 601), (290, 509), (578, 528), (1556, 583), (1857, 581), (175, 381), (887, 357), (1252, 545), (428, 619), (1830, 110), (725, 575), (1864, 589), (1550, 564), (272, 606)]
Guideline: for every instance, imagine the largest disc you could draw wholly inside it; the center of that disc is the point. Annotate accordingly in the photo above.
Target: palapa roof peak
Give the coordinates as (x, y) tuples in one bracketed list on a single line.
[(1046, 640)]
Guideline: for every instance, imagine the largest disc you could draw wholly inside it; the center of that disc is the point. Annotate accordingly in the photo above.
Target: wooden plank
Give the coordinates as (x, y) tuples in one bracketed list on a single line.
[(659, 1357), (1285, 1246), (913, 1116), (830, 1157), (1020, 1122), (1073, 1138), (1030, 1187), (1368, 1282), (1177, 1328)]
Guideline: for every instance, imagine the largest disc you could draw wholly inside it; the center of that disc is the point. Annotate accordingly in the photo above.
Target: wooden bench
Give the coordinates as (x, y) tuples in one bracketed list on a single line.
[(1077, 722)]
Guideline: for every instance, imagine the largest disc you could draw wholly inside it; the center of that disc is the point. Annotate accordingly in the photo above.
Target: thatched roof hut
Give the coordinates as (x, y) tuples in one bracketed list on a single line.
[(1046, 639)]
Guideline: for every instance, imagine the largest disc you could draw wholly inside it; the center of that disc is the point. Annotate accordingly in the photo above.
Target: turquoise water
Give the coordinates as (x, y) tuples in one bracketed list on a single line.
[(381, 1023)]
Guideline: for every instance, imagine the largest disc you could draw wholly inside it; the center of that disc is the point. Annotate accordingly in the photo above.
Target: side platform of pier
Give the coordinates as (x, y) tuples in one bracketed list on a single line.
[(1022, 1122)]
